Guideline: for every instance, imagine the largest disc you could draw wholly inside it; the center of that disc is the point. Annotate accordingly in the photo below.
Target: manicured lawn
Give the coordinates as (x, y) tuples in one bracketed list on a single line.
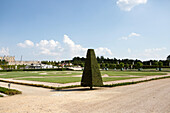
[(105, 79), (40, 73), (125, 73), (70, 73), (49, 76), (72, 79), (55, 79)]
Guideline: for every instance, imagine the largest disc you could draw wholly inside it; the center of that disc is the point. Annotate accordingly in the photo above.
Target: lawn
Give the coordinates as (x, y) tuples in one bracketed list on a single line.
[(55, 79), (66, 76), (38, 73), (125, 73), (105, 79), (72, 79)]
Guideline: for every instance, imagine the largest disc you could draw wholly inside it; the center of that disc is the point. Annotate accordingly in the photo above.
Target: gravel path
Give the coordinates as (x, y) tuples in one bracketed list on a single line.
[(147, 97)]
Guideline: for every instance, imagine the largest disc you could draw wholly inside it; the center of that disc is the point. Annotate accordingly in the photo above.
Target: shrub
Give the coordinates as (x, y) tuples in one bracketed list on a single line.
[(9, 91)]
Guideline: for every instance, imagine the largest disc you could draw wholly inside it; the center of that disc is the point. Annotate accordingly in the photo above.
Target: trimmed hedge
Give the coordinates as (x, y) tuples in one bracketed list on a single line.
[(9, 91)]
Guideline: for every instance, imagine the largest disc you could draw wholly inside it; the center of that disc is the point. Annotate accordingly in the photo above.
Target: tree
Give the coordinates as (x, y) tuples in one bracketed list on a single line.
[(139, 65), (126, 66), (112, 66), (91, 74), (102, 65), (107, 65), (160, 64), (121, 65), (156, 65)]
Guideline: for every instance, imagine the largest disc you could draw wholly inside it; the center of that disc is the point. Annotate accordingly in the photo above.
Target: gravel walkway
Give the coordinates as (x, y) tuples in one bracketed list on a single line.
[(147, 97)]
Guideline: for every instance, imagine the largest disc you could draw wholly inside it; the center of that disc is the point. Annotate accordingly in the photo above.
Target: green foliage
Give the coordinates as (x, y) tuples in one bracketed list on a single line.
[(112, 66), (121, 65), (126, 66), (91, 74), (3, 62), (107, 65), (139, 66), (160, 64), (9, 91), (156, 64), (102, 65)]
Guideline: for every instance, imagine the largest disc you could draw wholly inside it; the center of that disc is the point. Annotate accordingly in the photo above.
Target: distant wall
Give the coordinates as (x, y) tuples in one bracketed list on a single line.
[(24, 62)]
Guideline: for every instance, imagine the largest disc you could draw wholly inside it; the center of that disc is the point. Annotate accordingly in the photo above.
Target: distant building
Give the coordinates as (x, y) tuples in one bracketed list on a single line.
[(168, 58), (8, 58), (24, 62), (11, 61)]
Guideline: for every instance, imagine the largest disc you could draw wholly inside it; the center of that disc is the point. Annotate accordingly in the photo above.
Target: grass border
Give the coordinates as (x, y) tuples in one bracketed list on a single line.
[(9, 91), (133, 82), (73, 86)]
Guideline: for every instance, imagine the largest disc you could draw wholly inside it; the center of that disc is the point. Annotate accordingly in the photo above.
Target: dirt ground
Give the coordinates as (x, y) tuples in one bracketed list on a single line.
[(147, 97)]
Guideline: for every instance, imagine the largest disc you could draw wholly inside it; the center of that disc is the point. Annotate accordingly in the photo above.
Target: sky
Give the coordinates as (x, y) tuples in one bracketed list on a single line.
[(62, 29)]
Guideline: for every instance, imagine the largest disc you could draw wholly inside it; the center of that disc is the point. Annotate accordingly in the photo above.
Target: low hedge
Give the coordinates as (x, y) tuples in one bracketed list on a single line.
[(9, 91)]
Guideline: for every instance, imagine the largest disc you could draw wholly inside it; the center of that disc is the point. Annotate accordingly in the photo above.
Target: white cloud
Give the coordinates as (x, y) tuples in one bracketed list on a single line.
[(151, 54), (128, 5), (154, 50), (154, 53), (129, 50), (65, 50), (130, 36), (72, 49), (134, 34), (103, 52), (50, 47), (4, 51), (27, 43)]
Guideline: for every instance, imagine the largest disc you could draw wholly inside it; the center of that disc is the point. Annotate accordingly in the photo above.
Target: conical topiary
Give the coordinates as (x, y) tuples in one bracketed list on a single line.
[(91, 74)]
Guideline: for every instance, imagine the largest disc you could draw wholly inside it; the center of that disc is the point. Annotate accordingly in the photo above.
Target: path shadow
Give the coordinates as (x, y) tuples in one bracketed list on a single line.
[(75, 89)]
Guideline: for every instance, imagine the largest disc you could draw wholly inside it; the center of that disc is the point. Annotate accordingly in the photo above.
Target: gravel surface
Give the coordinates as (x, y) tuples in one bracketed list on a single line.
[(147, 97)]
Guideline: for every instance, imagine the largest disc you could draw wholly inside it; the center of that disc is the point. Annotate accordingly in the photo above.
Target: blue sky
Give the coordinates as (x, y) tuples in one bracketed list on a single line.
[(62, 29)]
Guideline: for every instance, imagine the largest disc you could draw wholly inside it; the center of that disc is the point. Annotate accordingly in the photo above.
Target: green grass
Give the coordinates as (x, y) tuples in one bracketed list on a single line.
[(105, 79), (70, 73), (55, 79), (28, 74), (53, 76), (9, 91), (1, 95), (125, 73), (72, 79)]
